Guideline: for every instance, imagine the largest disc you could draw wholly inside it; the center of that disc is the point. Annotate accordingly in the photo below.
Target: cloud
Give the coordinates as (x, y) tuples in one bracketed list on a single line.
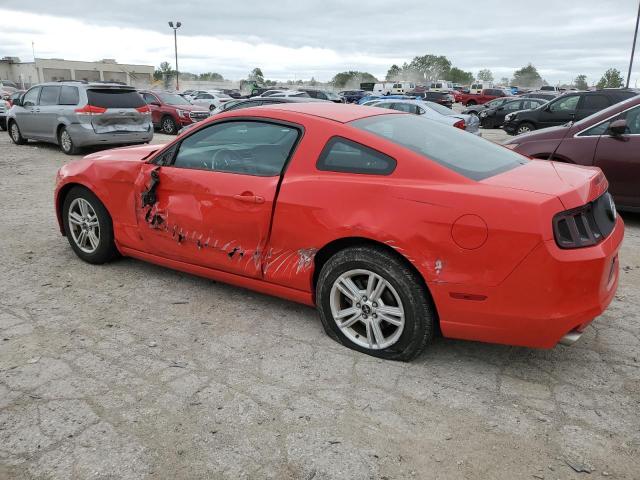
[(299, 39)]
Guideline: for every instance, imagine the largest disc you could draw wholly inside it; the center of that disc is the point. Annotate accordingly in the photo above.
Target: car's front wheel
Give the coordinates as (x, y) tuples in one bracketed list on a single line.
[(88, 226), (370, 301), (14, 133), (525, 127), (169, 126)]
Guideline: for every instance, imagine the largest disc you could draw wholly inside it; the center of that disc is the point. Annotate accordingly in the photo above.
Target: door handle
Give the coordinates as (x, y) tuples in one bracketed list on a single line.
[(249, 198)]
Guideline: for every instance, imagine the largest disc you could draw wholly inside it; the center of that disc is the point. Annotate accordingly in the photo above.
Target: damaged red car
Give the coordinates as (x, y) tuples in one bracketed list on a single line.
[(393, 226)]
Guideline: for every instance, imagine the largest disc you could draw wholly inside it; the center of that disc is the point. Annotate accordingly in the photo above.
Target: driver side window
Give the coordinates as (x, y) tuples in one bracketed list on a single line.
[(567, 104), (243, 147)]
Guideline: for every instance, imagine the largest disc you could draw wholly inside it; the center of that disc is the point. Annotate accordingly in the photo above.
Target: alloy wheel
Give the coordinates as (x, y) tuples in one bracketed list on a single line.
[(523, 129), (367, 309), (65, 141), (15, 132), (84, 225), (167, 126)]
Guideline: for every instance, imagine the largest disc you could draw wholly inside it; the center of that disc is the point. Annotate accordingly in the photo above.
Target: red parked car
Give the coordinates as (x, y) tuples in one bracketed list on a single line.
[(609, 139), (487, 95), (170, 112), (393, 225)]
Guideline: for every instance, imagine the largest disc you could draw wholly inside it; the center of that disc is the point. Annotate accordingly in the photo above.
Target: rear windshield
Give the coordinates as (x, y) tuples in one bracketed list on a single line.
[(115, 98), (466, 154)]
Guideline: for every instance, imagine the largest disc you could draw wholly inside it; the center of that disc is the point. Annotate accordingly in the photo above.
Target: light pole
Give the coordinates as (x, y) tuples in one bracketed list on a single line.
[(175, 41), (633, 48)]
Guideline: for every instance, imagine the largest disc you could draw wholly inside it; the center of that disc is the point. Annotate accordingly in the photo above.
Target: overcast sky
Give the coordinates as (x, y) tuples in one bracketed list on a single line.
[(293, 39)]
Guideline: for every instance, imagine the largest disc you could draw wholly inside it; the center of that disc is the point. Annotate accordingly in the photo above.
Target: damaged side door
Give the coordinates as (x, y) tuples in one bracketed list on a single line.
[(209, 199)]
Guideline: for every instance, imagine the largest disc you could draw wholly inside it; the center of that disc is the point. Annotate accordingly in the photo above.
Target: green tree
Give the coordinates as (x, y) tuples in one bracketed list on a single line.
[(163, 70), (457, 75), (256, 76), (394, 72), (580, 82), (504, 81), (485, 75), (211, 77), (611, 79), (353, 78), (430, 67), (527, 77)]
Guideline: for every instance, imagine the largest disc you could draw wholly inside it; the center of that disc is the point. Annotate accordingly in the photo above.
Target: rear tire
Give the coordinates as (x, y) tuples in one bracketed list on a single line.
[(168, 126), (14, 133), (66, 143), (396, 323), (88, 226)]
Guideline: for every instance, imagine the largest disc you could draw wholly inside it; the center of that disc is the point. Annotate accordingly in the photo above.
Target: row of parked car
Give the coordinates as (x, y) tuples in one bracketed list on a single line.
[(597, 127)]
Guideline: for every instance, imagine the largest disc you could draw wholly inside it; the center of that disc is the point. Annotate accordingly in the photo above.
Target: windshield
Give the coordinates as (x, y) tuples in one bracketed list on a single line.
[(173, 99), (468, 155), (439, 108)]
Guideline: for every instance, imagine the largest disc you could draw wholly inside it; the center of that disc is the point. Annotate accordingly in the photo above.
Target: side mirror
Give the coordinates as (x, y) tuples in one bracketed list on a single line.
[(618, 128), (500, 108)]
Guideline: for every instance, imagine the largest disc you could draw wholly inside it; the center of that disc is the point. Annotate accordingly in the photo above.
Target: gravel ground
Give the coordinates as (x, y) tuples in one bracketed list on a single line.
[(129, 371)]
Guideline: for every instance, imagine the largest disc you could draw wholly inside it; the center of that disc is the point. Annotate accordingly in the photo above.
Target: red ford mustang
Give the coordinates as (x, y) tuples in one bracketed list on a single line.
[(394, 226)]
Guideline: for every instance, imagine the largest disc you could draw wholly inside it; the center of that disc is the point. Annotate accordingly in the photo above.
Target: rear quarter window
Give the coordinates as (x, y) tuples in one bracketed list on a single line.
[(346, 156), (69, 96), (472, 157), (115, 98)]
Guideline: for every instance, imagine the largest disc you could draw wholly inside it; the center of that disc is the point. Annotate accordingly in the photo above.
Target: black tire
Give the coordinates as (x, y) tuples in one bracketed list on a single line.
[(525, 127), (14, 133), (420, 317), (3, 125), (65, 142), (106, 248), (168, 126)]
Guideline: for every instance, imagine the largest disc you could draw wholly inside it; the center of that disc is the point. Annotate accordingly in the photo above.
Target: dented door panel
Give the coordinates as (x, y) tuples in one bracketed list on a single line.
[(213, 219)]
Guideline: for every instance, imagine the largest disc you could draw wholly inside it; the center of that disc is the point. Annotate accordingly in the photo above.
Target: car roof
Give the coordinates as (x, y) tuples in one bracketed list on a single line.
[(339, 112)]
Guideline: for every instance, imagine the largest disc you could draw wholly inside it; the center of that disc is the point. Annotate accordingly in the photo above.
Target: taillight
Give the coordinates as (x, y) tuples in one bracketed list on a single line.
[(586, 225), (460, 124), (90, 110), (144, 109)]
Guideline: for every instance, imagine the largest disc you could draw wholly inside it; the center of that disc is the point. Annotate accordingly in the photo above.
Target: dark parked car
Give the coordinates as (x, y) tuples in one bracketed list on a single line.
[(442, 98), (609, 139), (322, 95), (352, 96), (495, 103), (566, 108), (232, 92), (493, 117)]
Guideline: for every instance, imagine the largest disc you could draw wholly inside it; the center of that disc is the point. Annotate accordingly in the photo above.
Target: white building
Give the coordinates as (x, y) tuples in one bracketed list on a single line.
[(54, 69)]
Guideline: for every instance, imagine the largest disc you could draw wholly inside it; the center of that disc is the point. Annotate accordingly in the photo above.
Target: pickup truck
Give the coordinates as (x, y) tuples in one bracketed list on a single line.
[(487, 95)]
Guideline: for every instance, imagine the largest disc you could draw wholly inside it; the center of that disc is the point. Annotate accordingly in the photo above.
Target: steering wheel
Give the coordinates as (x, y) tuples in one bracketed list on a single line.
[(224, 159)]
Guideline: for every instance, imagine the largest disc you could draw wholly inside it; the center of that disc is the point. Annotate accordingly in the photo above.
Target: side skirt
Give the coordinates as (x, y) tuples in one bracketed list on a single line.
[(256, 284)]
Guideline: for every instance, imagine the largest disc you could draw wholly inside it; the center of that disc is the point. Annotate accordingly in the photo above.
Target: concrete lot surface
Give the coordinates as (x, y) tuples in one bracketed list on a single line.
[(132, 371)]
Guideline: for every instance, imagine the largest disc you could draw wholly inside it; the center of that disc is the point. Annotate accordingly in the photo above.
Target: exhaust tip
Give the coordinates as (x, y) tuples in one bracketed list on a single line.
[(570, 338)]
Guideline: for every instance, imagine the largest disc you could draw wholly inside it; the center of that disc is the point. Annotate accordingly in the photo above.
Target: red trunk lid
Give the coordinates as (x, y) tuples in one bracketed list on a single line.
[(573, 185)]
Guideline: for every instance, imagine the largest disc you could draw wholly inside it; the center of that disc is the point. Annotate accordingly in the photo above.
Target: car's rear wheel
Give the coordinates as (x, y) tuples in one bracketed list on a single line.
[(525, 127), (66, 142), (14, 133), (88, 226), (168, 126), (372, 302)]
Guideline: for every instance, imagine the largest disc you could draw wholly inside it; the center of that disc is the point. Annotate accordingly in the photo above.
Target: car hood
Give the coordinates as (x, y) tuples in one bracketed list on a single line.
[(574, 185), (131, 154)]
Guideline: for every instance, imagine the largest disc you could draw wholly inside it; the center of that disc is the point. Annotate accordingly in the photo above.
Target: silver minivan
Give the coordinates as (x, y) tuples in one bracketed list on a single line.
[(76, 114)]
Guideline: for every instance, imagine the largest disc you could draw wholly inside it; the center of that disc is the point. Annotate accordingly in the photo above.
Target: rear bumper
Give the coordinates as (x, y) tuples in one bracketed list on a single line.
[(84, 136), (510, 127), (550, 294)]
